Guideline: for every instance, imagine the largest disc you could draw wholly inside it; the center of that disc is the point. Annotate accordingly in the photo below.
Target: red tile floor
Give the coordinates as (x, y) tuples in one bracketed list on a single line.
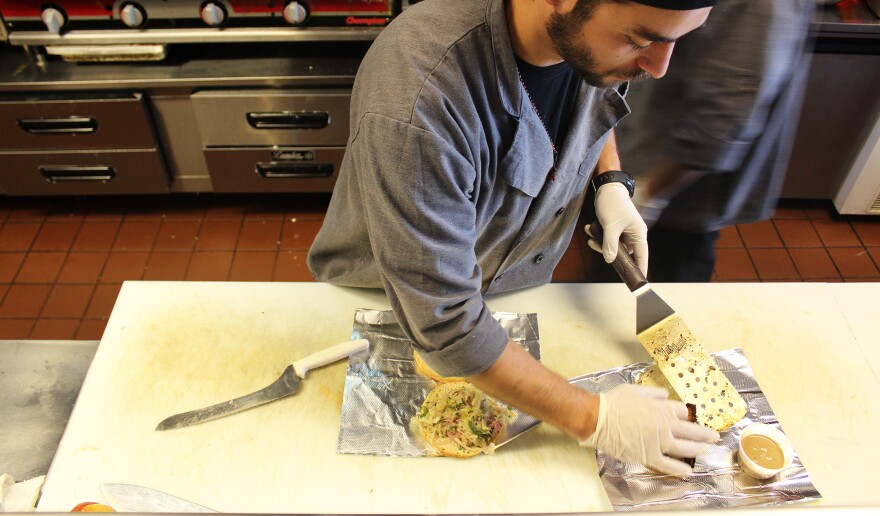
[(63, 260)]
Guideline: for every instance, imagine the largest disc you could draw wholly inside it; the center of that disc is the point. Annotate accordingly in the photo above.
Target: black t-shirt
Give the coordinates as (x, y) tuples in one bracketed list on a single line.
[(553, 89)]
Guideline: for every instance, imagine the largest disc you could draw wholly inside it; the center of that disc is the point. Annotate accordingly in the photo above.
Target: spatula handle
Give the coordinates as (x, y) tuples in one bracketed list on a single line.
[(328, 355), (623, 263), (628, 271)]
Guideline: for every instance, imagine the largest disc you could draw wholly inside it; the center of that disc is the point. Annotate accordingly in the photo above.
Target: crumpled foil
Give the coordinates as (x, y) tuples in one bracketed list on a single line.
[(718, 481), (383, 392)]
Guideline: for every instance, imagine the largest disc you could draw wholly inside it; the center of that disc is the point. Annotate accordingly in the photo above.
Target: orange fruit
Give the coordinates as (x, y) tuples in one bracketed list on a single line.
[(92, 507)]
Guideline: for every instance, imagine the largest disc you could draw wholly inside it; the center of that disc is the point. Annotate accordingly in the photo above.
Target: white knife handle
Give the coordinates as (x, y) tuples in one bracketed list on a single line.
[(331, 354)]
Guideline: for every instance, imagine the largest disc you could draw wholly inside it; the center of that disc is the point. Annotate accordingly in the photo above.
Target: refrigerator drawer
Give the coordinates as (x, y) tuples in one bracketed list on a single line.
[(82, 173), (272, 117), (115, 122), (274, 169)]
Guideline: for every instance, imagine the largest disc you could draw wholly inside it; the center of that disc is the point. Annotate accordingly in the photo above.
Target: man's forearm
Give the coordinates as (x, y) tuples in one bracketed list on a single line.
[(518, 379), (608, 158)]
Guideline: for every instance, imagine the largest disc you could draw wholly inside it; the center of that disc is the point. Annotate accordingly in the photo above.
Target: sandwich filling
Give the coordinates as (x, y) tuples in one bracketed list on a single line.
[(459, 420)]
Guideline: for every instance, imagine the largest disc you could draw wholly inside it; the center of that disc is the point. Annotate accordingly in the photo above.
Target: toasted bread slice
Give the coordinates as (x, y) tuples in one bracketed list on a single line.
[(423, 369), (653, 377)]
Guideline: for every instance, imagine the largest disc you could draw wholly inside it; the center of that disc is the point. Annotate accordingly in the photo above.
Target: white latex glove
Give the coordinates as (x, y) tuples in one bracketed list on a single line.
[(621, 222), (639, 424)]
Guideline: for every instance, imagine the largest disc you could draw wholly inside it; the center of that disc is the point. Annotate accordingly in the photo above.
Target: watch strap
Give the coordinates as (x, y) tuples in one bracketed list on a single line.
[(615, 176)]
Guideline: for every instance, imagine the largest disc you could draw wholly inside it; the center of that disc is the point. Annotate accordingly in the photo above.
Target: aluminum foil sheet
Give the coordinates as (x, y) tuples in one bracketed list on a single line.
[(383, 392), (718, 481)]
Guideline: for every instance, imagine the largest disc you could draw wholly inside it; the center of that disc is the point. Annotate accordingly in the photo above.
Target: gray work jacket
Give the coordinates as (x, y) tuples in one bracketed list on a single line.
[(444, 192), (728, 106)]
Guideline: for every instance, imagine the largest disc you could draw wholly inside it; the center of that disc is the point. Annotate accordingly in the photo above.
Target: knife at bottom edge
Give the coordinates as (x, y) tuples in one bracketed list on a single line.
[(132, 498)]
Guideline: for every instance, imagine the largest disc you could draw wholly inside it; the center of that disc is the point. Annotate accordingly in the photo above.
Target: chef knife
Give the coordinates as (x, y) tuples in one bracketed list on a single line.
[(132, 498), (692, 372), (286, 384)]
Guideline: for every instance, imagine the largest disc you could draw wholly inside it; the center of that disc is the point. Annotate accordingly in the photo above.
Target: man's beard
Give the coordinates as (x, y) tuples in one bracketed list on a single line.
[(564, 30)]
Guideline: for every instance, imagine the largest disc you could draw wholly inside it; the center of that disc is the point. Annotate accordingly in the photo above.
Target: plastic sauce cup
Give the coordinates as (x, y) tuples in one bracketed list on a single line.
[(764, 451)]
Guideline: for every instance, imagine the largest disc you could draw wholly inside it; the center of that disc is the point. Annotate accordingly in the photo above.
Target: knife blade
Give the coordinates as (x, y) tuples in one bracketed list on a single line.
[(132, 498), (286, 384)]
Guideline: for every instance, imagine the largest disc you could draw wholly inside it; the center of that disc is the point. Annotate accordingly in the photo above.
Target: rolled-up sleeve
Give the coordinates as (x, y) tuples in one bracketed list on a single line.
[(420, 216)]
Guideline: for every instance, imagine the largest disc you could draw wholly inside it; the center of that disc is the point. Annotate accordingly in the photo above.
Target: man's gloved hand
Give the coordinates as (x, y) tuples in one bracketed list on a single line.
[(639, 424), (621, 222)]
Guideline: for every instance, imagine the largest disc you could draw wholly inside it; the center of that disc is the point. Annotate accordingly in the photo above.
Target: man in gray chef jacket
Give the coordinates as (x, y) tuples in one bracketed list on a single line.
[(478, 128), (709, 144)]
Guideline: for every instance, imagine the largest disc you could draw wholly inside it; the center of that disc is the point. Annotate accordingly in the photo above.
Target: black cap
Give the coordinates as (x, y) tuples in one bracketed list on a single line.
[(679, 5)]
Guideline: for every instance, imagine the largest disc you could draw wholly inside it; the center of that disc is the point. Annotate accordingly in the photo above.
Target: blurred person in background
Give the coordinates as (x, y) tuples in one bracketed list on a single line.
[(709, 144)]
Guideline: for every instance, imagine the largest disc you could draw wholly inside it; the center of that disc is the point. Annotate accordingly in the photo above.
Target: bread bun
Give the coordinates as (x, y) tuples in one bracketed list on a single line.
[(654, 377), (423, 369), (459, 420)]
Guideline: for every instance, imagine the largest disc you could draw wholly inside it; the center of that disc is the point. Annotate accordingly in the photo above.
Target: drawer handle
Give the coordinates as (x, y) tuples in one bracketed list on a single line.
[(74, 124), (277, 170), (289, 120), (57, 174)]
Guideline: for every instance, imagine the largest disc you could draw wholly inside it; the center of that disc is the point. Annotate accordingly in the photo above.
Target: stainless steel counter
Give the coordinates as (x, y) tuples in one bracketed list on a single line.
[(189, 67), (39, 383)]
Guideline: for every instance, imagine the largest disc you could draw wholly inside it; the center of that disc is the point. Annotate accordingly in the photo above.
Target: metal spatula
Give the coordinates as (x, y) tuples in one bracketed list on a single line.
[(650, 307), (691, 371)]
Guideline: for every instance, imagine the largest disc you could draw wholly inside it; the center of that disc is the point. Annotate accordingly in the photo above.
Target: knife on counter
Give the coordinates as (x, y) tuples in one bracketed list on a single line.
[(286, 384), (132, 498)]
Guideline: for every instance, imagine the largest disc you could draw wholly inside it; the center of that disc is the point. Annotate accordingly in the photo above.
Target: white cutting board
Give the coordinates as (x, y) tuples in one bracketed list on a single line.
[(175, 346)]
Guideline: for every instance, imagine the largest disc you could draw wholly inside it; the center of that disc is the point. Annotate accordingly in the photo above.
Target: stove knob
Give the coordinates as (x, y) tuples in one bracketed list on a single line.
[(295, 13), (54, 19), (132, 15), (213, 14)]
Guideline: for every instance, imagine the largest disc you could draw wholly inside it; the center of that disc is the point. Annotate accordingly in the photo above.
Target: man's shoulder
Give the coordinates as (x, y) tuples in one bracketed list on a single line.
[(430, 51), (424, 33)]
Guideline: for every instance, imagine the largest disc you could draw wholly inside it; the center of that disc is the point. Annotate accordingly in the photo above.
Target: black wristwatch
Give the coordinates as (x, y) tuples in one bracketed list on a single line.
[(615, 176)]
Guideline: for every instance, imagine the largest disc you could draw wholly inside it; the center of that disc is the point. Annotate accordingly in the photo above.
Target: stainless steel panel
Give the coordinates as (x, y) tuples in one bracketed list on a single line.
[(39, 383), (274, 169), (82, 173), (178, 132), (273, 117), (835, 119), (111, 123), (323, 65), (196, 35)]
